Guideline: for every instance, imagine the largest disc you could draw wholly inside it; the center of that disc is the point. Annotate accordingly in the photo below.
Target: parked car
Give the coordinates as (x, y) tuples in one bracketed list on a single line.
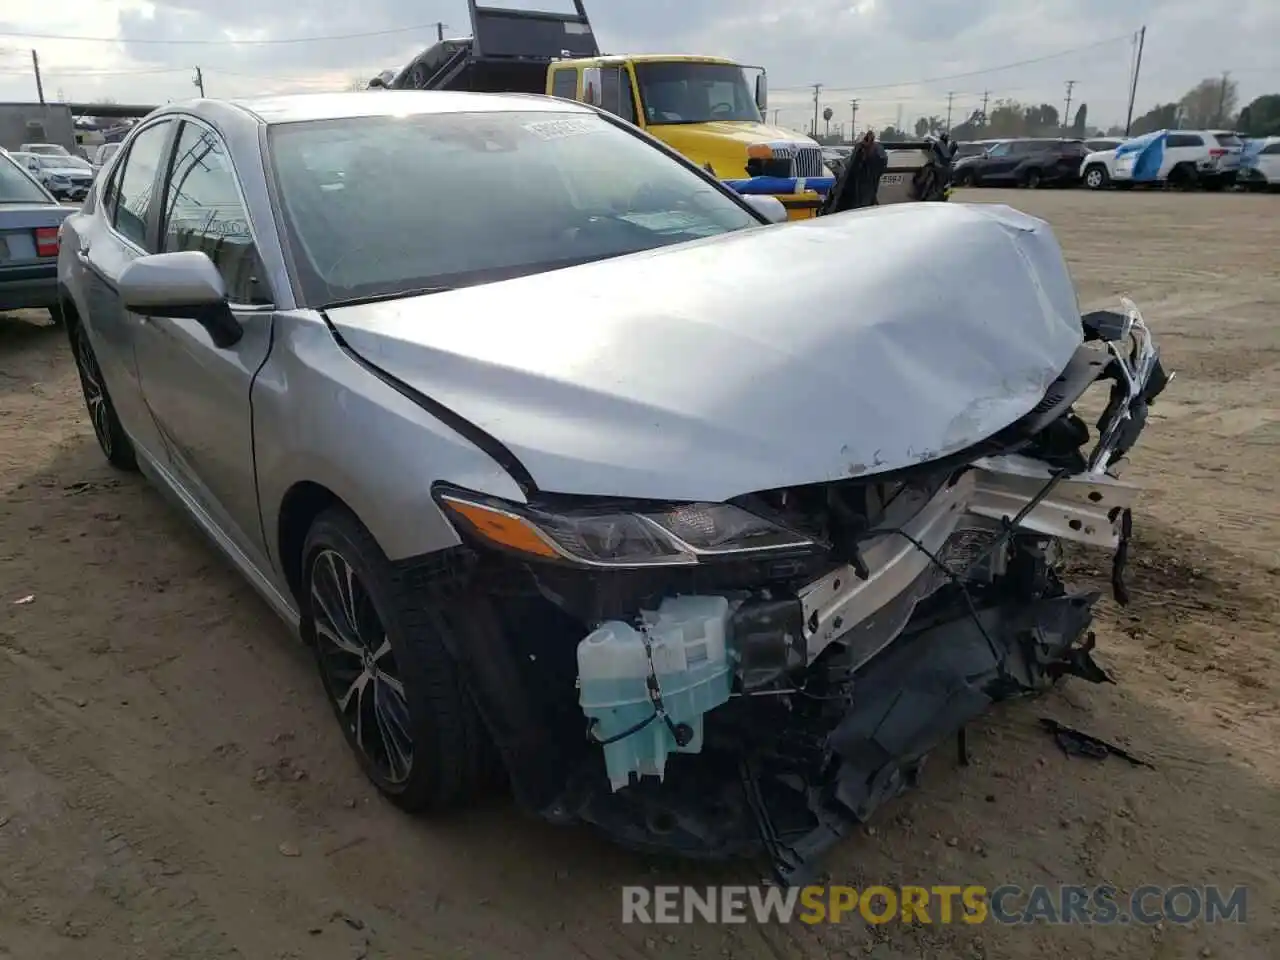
[(1027, 163), (1260, 164), (66, 177), (561, 475), (29, 222), (102, 155), (45, 149), (1184, 159)]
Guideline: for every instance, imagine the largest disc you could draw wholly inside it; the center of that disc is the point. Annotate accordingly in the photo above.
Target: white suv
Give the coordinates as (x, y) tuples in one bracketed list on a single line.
[(1207, 158)]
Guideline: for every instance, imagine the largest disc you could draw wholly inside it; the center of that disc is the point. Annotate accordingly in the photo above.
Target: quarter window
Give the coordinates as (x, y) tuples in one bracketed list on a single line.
[(131, 196), (1184, 140), (203, 211)]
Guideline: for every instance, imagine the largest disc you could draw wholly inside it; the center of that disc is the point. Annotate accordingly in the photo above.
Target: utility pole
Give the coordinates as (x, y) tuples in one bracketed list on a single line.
[(817, 88), (1133, 89), (950, 97), (440, 31), (198, 81), (1066, 116), (35, 65), (775, 116), (986, 95), (853, 119), (1222, 100)]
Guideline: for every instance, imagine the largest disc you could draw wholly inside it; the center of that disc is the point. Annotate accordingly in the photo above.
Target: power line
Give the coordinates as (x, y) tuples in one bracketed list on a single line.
[(982, 72), (226, 42)]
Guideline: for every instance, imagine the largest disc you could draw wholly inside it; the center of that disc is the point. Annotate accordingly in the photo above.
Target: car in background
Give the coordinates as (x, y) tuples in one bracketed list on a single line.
[(29, 221), (66, 177), (45, 149), (102, 155), (1031, 162), (1260, 164), (1182, 159), (973, 148)]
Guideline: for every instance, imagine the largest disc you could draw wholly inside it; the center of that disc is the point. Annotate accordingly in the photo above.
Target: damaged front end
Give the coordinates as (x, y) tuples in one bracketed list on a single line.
[(718, 680)]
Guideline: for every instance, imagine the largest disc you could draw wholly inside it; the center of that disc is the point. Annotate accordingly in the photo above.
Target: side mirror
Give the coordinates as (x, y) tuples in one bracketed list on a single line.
[(762, 92), (770, 208), (185, 285), (591, 87)]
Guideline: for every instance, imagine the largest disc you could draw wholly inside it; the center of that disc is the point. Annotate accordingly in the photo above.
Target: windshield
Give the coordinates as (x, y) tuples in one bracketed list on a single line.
[(679, 92), (383, 206), (47, 149), (17, 187)]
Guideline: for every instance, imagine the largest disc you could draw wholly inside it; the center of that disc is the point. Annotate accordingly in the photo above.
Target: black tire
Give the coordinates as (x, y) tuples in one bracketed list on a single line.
[(448, 753), (1183, 177), (1032, 179), (1096, 176), (963, 179), (102, 412)]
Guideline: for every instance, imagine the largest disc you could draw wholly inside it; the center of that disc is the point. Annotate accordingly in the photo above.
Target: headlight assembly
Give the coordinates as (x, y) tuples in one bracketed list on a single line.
[(647, 535)]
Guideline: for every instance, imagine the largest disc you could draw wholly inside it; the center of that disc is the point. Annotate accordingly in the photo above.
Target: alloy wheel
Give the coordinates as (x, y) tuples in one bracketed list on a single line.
[(95, 395), (359, 667)]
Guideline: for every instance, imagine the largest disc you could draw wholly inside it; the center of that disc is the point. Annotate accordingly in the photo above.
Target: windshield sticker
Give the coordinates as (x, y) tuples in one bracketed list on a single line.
[(559, 129)]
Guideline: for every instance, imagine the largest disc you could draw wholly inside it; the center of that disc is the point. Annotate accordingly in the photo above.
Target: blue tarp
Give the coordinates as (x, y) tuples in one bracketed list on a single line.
[(1249, 152), (1147, 152), (781, 185)]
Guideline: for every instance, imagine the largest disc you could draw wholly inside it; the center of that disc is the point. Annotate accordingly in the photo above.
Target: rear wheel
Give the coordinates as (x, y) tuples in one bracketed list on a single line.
[(1095, 178), (392, 683), (102, 413), (1032, 179)]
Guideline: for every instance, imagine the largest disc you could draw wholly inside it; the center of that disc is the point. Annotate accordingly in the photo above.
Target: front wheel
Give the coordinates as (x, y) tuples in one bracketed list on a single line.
[(1095, 178), (392, 683), (102, 413)]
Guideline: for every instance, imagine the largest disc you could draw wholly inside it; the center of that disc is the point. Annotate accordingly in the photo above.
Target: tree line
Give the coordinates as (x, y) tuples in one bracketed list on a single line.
[(1211, 103)]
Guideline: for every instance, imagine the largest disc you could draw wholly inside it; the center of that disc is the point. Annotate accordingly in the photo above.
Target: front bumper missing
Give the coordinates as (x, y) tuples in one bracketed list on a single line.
[(796, 778)]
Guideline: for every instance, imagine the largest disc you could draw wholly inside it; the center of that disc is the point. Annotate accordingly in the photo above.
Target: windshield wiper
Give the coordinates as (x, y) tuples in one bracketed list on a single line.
[(381, 297)]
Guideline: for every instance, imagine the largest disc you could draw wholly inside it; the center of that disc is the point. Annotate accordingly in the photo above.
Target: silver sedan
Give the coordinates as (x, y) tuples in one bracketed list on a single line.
[(571, 464)]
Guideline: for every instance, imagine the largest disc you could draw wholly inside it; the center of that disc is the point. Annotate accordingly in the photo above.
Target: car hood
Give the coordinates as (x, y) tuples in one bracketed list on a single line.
[(809, 351)]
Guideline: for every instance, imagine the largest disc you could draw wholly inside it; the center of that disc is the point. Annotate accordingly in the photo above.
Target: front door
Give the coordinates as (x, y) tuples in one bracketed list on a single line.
[(199, 393)]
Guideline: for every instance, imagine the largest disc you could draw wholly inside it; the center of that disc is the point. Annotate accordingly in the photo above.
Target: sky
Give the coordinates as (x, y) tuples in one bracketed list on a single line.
[(899, 59)]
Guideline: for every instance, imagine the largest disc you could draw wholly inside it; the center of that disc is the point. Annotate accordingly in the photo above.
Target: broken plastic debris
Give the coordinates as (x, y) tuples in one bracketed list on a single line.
[(27, 599)]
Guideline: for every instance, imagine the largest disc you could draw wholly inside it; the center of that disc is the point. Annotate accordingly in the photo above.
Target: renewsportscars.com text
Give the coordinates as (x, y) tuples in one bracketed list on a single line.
[(940, 904)]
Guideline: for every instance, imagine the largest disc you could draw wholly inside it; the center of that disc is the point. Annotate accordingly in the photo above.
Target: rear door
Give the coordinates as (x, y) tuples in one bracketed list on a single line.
[(120, 227)]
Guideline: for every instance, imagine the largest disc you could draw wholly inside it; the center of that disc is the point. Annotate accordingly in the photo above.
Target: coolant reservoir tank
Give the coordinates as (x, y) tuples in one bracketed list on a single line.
[(687, 655)]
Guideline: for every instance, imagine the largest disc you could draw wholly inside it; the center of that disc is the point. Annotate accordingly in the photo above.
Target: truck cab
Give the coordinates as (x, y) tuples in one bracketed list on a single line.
[(708, 109)]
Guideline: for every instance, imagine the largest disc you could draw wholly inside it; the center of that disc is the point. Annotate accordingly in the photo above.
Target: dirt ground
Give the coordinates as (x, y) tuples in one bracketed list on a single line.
[(172, 783)]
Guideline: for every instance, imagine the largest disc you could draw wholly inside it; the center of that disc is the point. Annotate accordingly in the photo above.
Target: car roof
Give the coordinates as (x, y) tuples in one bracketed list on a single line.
[(304, 107)]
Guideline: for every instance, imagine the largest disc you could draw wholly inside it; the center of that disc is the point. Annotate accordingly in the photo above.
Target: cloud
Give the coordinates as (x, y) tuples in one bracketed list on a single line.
[(895, 56)]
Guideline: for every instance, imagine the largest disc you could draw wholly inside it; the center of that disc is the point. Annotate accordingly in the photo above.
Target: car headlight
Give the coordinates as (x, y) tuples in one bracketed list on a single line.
[(647, 535)]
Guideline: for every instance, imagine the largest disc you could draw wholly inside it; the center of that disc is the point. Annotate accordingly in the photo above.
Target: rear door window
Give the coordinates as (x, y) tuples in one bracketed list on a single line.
[(135, 186)]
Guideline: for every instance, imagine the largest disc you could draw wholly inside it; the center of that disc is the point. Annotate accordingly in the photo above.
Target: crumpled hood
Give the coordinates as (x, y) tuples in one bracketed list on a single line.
[(799, 353)]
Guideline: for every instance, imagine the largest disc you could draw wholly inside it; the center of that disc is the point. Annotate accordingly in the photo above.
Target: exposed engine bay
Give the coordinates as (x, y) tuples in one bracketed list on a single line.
[(760, 675)]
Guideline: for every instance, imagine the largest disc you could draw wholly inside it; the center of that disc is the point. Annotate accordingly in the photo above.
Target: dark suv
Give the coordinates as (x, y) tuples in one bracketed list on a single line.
[(1026, 163)]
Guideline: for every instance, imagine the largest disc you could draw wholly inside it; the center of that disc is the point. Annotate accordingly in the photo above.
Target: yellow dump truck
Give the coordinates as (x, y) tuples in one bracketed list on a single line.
[(709, 109)]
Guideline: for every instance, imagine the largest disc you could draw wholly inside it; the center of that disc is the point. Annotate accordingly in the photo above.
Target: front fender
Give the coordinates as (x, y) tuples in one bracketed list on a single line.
[(321, 417)]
